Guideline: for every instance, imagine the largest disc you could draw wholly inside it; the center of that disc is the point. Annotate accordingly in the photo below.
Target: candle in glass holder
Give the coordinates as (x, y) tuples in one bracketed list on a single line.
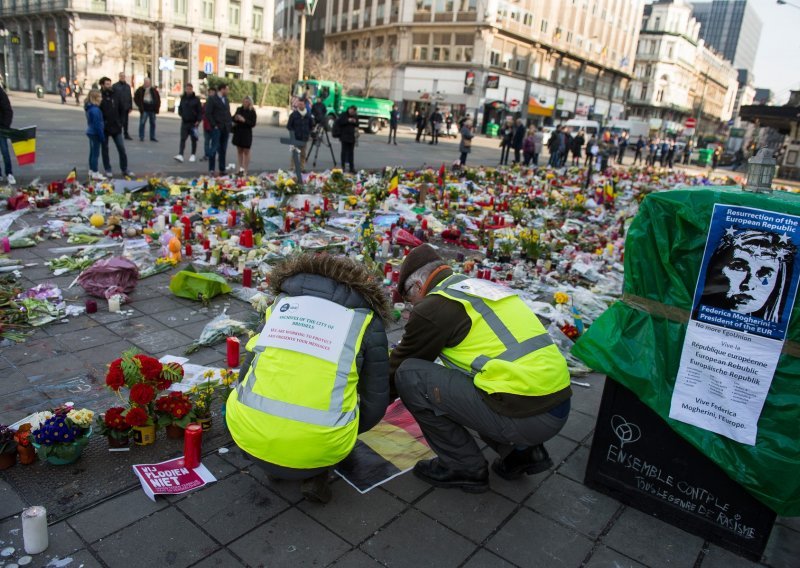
[(247, 277), (91, 306), (188, 250), (34, 529), (114, 303), (233, 352)]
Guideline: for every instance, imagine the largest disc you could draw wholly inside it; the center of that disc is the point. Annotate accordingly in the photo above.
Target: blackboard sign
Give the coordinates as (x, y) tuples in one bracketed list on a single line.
[(639, 460)]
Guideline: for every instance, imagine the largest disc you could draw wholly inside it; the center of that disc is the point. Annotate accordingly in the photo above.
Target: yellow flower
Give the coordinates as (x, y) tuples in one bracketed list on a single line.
[(561, 298)]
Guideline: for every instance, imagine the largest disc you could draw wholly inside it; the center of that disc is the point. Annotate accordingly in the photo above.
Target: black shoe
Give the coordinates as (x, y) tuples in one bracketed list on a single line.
[(153, 140), (317, 489), (528, 461), (436, 474), (128, 137)]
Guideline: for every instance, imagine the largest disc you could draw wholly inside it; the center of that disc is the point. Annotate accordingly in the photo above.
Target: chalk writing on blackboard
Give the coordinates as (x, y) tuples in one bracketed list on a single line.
[(627, 432)]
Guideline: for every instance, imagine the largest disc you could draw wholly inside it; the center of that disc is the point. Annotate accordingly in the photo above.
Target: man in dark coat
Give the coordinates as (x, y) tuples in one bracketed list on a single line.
[(218, 113), (122, 90), (113, 128), (6, 117), (348, 134), (394, 121), (436, 124), (148, 101), (518, 139), (191, 112), (420, 122), (319, 112), (300, 125)]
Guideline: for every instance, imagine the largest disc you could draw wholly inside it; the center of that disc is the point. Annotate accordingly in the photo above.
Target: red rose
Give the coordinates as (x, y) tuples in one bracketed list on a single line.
[(136, 417), (151, 368), (114, 419), (142, 394), (115, 379)]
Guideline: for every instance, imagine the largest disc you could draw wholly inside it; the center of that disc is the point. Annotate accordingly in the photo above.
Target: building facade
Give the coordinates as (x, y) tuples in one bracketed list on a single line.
[(732, 27), (170, 41), (676, 76), (549, 60)]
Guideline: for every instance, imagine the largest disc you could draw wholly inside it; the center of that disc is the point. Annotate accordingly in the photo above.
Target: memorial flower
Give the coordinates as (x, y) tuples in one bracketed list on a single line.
[(175, 408), (64, 431)]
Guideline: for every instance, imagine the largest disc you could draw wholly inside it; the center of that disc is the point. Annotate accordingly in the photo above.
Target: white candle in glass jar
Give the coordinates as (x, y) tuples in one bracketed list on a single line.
[(34, 529), (114, 304)]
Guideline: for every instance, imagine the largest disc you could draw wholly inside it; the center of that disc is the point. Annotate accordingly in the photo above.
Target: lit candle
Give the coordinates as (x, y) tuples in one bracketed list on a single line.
[(114, 303), (34, 529), (91, 306), (192, 444), (247, 277), (233, 352), (188, 250)]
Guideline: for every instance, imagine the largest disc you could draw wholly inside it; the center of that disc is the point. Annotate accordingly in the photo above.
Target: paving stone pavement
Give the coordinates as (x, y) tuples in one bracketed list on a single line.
[(245, 519)]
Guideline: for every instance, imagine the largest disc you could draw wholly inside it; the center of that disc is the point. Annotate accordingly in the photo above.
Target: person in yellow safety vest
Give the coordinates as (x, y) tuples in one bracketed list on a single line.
[(502, 376), (318, 372)]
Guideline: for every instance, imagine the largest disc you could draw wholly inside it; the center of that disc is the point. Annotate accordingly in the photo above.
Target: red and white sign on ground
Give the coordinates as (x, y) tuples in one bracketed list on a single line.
[(690, 122), (171, 477)]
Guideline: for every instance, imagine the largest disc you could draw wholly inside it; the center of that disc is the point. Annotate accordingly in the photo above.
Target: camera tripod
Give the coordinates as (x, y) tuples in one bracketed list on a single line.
[(317, 141)]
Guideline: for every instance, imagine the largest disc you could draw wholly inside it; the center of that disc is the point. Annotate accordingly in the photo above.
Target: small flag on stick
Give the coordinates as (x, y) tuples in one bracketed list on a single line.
[(23, 141), (72, 176)]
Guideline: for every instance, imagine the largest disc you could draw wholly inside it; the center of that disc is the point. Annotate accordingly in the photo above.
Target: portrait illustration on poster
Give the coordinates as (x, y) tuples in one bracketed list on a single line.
[(742, 305)]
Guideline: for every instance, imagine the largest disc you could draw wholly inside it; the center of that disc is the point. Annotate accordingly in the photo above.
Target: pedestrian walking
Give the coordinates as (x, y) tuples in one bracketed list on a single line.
[(394, 121), (622, 147), (505, 378), (465, 146), (148, 101), (577, 147), (244, 119), (687, 152), (76, 91), (715, 157), (420, 122), (506, 140), (671, 153), (63, 89), (296, 413), (125, 101), (212, 92), (112, 128), (218, 112), (653, 150), (592, 149), (529, 146), (637, 156), (436, 125), (664, 150), (538, 146), (448, 121), (348, 134), (95, 131), (300, 125), (6, 118), (191, 112), (518, 139)]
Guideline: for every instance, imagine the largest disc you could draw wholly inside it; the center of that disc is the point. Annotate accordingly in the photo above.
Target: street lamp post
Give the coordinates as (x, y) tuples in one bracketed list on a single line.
[(304, 7)]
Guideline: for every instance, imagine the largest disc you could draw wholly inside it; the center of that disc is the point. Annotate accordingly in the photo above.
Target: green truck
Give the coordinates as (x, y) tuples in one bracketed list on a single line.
[(373, 113)]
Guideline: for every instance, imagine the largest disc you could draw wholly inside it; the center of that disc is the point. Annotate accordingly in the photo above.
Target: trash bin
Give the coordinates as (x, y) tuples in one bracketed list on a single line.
[(492, 130), (171, 104), (39, 91), (704, 156)]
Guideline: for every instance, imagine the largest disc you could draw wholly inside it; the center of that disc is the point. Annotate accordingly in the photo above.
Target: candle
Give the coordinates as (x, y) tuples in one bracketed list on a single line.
[(177, 209), (233, 352), (215, 257), (34, 529), (395, 276), (114, 303), (187, 228), (424, 224), (387, 268), (247, 277), (126, 213), (192, 444), (287, 224), (325, 203), (91, 306), (6, 244), (188, 250)]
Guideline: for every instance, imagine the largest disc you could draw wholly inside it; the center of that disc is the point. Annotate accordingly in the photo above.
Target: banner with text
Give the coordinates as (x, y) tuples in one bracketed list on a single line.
[(171, 477), (740, 314)]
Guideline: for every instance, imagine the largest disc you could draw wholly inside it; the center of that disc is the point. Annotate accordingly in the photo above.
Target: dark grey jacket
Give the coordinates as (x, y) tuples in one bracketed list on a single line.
[(295, 278)]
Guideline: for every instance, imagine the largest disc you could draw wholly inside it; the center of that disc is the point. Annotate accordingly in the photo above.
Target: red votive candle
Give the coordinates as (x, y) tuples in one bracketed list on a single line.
[(192, 444), (233, 352), (188, 249), (395, 276), (91, 306), (177, 209), (247, 282), (206, 244)]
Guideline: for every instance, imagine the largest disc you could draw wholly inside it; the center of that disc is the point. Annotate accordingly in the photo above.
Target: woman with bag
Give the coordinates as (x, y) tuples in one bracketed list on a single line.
[(243, 122)]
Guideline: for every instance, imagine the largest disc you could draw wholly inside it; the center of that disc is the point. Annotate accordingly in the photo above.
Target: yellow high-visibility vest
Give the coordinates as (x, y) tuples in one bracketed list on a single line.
[(507, 349), (298, 405)]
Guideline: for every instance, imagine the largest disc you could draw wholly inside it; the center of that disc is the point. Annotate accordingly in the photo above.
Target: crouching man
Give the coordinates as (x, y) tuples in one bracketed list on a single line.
[(317, 374), (503, 376)]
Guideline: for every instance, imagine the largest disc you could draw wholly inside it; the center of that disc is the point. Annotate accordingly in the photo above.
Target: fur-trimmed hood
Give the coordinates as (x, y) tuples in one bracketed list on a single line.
[(336, 278)]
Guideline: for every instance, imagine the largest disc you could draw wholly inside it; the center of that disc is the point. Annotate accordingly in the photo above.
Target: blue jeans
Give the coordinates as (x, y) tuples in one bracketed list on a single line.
[(219, 145), (143, 117), (207, 143), (119, 142), (6, 155), (94, 152)]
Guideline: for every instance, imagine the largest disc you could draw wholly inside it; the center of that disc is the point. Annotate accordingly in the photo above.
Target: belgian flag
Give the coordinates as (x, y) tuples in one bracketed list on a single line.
[(393, 183), (23, 140)]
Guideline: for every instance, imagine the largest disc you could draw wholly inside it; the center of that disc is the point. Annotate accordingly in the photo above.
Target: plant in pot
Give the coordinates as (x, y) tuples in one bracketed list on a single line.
[(113, 426), (175, 412), (202, 396), (145, 377), (25, 449), (60, 439), (8, 447)]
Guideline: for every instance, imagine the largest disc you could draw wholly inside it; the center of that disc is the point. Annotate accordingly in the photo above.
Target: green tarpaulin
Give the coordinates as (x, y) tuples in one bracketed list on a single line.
[(638, 341), (195, 285)]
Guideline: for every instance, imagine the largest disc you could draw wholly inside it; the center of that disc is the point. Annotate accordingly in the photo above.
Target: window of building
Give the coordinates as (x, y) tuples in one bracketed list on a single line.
[(392, 48), (142, 4), (379, 13), (670, 49), (234, 13), (378, 50), (652, 47), (208, 9), (179, 6), (394, 16), (569, 37), (258, 20), (419, 47), (467, 5), (527, 19), (648, 70), (658, 23), (354, 54), (441, 47), (644, 92), (660, 95), (343, 49), (233, 57), (444, 6), (355, 14), (494, 59), (424, 5), (179, 50), (543, 27), (367, 14)]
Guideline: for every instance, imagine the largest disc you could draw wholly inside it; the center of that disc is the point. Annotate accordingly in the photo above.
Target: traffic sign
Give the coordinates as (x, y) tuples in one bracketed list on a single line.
[(513, 105), (690, 122)]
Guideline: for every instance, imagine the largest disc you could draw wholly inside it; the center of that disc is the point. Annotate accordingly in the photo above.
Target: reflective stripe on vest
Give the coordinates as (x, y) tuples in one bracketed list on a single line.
[(514, 349), (335, 416)]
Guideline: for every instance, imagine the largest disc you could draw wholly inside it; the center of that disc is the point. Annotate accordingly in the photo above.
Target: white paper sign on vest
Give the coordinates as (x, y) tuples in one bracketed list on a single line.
[(485, 289), (309, 325)]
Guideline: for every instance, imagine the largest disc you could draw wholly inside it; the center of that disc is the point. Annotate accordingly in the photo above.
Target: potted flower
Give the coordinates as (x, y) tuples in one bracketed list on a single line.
[(227, 381), (25, 449), (8, 447), (145, 377), (175, 412), (60, 439), (113, 426)]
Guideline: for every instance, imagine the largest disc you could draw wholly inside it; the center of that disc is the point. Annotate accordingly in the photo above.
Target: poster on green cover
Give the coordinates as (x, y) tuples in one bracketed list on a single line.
[(740, 315)]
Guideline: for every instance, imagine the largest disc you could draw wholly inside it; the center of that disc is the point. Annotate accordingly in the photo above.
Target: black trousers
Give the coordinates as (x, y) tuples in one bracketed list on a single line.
[(124, 119), (393, 132), (348, 155), (186, 132)]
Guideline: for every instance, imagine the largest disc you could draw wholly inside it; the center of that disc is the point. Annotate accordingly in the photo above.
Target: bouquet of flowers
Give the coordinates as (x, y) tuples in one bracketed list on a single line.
[(112, 424), (65, 431), (202, 394), (176, 409)]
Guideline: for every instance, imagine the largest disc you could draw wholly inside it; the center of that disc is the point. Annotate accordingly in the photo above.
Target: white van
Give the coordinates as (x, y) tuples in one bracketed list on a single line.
[(634, 128), (588, 126)]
